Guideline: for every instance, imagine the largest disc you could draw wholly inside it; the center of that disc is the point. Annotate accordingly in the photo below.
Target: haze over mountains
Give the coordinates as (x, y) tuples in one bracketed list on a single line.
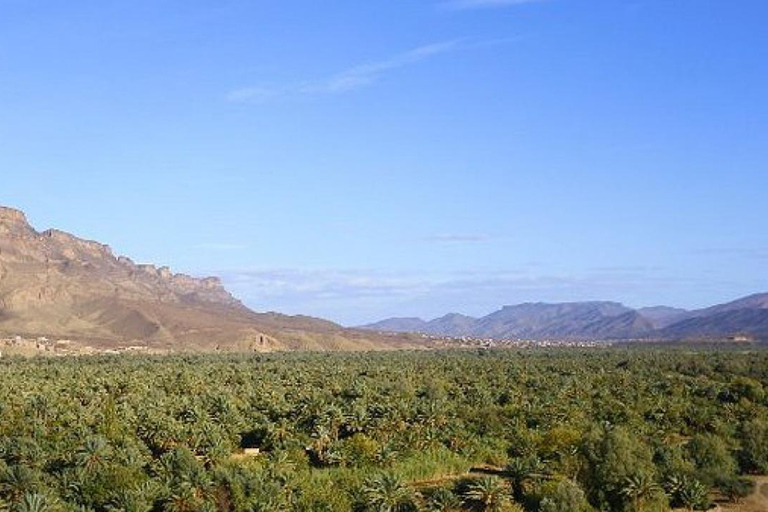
[(55, 285), (597, 320)]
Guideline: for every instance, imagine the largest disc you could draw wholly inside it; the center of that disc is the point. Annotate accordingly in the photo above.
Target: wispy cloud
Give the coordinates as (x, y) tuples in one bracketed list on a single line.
[(325, 284), (461, 5), (349, 284), (351, 79), (357, 296), (367, 74)]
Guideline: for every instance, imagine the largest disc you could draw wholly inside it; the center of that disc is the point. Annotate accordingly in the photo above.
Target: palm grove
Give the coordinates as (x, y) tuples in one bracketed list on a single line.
[(550, 431)]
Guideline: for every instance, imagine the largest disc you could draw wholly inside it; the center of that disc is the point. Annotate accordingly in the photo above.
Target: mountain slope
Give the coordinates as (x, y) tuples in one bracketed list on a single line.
[(452, 324), (663, 316), (629, 325), (745, 316), (750, 322), (577, 320), (541, 320), (756, 301), (398, 325), (56, 285)]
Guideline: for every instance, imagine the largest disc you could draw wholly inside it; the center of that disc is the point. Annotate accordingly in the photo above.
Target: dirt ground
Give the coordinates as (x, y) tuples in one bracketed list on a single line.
[(756, 502)]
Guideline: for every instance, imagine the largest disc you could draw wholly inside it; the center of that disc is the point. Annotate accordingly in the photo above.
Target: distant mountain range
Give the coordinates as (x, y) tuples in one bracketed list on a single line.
[(747, 317)]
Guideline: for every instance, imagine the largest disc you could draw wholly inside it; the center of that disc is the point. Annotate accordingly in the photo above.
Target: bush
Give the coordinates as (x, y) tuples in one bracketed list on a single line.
[(735, 488), (753, 454), (563, 496), (712, 458)]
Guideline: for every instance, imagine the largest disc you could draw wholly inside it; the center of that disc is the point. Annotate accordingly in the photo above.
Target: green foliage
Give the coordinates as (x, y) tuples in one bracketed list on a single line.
[(387, 493), (687, 492), (441, 499), (694, 496), (489, 494), (554, 430), (359, 450), (735, 488), (563, 496), (34, 502), (753, 455), (615, 459), (712, 457), (643, 493)]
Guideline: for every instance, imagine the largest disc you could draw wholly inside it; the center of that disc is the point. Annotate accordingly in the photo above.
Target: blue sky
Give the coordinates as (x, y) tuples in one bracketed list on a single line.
[(357, 160)]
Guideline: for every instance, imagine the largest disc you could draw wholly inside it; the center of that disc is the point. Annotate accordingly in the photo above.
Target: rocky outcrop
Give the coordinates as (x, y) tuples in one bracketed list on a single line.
[(54, 256), (57, 285)]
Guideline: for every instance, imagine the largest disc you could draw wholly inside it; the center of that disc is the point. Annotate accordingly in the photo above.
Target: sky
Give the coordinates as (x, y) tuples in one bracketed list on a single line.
[(360, 160)]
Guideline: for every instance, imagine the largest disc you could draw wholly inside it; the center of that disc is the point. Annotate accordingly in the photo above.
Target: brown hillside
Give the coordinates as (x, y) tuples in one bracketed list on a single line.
[(55, 285)]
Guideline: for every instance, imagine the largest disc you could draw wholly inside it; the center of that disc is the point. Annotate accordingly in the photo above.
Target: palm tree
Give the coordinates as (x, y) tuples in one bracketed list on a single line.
[(139, 499), (522, 471), (184, 499), (489, 494), (694, 496), (443, 500), (280, 467), (687, 492), (386, 454), (15, 481), (674, 484), (355, 420), (639, 489), (34, 502), (93, 453), (277, 433), (386, 493)]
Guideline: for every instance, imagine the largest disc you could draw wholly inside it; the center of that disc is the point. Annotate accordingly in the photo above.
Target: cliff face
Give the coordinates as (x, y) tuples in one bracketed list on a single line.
[(57, 285), (53, 266)]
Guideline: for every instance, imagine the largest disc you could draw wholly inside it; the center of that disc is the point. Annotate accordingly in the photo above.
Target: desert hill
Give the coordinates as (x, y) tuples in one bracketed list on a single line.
[(58, 286)]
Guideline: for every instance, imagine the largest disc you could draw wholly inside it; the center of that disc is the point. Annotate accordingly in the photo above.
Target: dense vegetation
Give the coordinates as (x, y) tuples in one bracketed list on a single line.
[(555, 431)]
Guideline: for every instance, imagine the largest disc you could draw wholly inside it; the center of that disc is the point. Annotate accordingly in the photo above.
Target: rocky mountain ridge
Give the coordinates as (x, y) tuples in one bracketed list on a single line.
[(56, 285), (57, 253)]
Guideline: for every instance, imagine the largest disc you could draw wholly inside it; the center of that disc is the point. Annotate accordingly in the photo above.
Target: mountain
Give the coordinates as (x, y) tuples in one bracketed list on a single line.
[(398, 325), (565, 320), (746, 316), (756, 301), (629, 325), (533, 320), (451, 324), (663, 316), (599, 320), (58, 286), (752, 323)]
